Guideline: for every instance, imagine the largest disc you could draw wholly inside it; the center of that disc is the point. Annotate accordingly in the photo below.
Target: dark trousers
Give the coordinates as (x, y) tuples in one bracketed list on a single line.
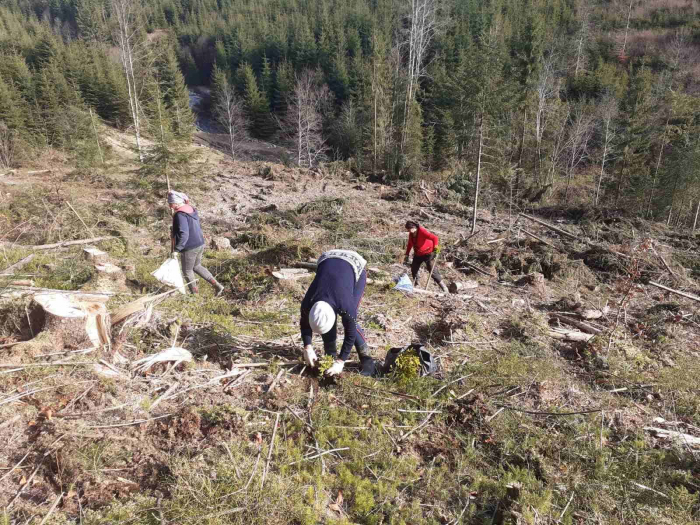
[(429, 261), (191, 261), (330, 337)]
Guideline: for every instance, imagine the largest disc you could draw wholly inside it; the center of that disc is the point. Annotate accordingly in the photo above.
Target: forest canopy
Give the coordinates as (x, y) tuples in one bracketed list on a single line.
[(583, 102)]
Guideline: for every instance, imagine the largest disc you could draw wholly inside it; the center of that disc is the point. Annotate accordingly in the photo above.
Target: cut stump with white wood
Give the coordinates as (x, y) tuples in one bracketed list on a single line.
[(63, 321), (95, 255), (73, 323)]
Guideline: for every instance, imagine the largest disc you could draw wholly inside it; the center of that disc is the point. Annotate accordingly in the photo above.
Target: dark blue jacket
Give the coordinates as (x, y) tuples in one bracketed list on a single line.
[(187, 231), (335, 284)]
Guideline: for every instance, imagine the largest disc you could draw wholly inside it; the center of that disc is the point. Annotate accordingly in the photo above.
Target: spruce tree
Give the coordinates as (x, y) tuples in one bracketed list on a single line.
[(175, 94), (257, 105), (283, 87), (11, 106)]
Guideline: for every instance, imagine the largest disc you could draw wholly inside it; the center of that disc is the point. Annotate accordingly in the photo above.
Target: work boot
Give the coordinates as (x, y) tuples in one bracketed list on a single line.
[(369, 367), (218, 287), (443, 287), (193, 288)]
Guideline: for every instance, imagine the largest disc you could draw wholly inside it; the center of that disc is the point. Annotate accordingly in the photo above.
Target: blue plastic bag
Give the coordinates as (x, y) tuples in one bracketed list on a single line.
[(404, 284)]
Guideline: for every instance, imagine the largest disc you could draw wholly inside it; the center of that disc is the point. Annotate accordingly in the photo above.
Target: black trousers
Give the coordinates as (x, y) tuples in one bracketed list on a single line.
[(429, 261)]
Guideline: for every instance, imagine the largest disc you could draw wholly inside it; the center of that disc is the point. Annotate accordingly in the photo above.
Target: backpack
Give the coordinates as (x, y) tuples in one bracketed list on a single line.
[(428, 366)]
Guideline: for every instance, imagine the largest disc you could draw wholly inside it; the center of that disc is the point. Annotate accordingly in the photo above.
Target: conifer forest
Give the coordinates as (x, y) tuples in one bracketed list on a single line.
[(587, 103)]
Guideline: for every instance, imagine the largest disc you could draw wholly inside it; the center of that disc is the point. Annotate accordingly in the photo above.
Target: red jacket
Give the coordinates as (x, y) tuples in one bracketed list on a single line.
[(424, 243)]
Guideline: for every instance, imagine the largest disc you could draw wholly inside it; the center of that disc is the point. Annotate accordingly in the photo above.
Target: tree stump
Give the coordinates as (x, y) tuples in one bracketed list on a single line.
[(221, 244), (94, 255), (107, 278), (62, 321), (73, 323)]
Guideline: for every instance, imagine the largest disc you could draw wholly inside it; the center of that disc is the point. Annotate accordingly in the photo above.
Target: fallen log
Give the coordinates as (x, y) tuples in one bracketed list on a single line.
[(551, 227), (539, 239), (460, 288), (33, 290), (65, 243), (585, 327), (307, 265), (677, 292), (18, 265), (476, 269), (291, 273), (668, 268), (672, 434), (571, 336)]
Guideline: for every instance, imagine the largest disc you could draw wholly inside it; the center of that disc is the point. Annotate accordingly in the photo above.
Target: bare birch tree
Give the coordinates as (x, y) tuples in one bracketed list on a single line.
[(558, 143), (608, 134), (126, 37), (8, 148), (230, 114), (546, 90), (420, 35), (582, 38), (580, 130), (305, 117), (627, 30)]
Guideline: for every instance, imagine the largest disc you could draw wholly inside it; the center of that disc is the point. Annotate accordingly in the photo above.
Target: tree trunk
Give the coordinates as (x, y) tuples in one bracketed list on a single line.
[(627, 28), (619, 182), (658, 165), (697, 211), (478, 174), (125, 33), (97, 137), (600, 179)]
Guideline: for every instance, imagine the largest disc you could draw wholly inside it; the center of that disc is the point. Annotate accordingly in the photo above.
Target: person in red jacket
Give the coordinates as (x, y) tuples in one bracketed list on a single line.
[(425, 246)]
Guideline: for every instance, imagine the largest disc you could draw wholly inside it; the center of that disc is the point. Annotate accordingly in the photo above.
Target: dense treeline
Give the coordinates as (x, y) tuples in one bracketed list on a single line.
[(60, 73), (593, 102)]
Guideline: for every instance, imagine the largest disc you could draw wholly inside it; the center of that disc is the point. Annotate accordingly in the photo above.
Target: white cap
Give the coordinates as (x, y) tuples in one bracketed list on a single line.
[(321, 317)]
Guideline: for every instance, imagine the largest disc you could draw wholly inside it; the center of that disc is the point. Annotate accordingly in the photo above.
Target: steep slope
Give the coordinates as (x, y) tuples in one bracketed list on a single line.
[(517, 427)]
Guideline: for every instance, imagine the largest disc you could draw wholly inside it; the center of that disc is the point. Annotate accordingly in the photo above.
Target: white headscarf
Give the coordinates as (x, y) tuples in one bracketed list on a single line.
[(177, 197)]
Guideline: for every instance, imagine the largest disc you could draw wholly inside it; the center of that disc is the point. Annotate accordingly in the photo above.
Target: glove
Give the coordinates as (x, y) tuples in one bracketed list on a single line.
[(405, 261), (437, 249), (309, 356), (173, 255), (336, 368)]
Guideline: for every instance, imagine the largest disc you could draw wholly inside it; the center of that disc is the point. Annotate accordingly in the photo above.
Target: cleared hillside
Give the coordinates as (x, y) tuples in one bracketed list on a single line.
[(517, 427)]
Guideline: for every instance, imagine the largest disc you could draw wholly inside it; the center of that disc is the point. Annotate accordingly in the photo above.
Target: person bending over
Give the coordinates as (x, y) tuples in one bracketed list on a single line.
[(425, 246), (188, 241), (336, 290)]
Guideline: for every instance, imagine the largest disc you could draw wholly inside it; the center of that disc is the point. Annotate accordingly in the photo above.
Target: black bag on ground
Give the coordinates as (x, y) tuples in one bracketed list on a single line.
[(428, 365)]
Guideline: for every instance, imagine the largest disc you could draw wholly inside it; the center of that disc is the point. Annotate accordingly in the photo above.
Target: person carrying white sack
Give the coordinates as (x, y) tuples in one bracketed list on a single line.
[(187, 240), (337, 290)]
